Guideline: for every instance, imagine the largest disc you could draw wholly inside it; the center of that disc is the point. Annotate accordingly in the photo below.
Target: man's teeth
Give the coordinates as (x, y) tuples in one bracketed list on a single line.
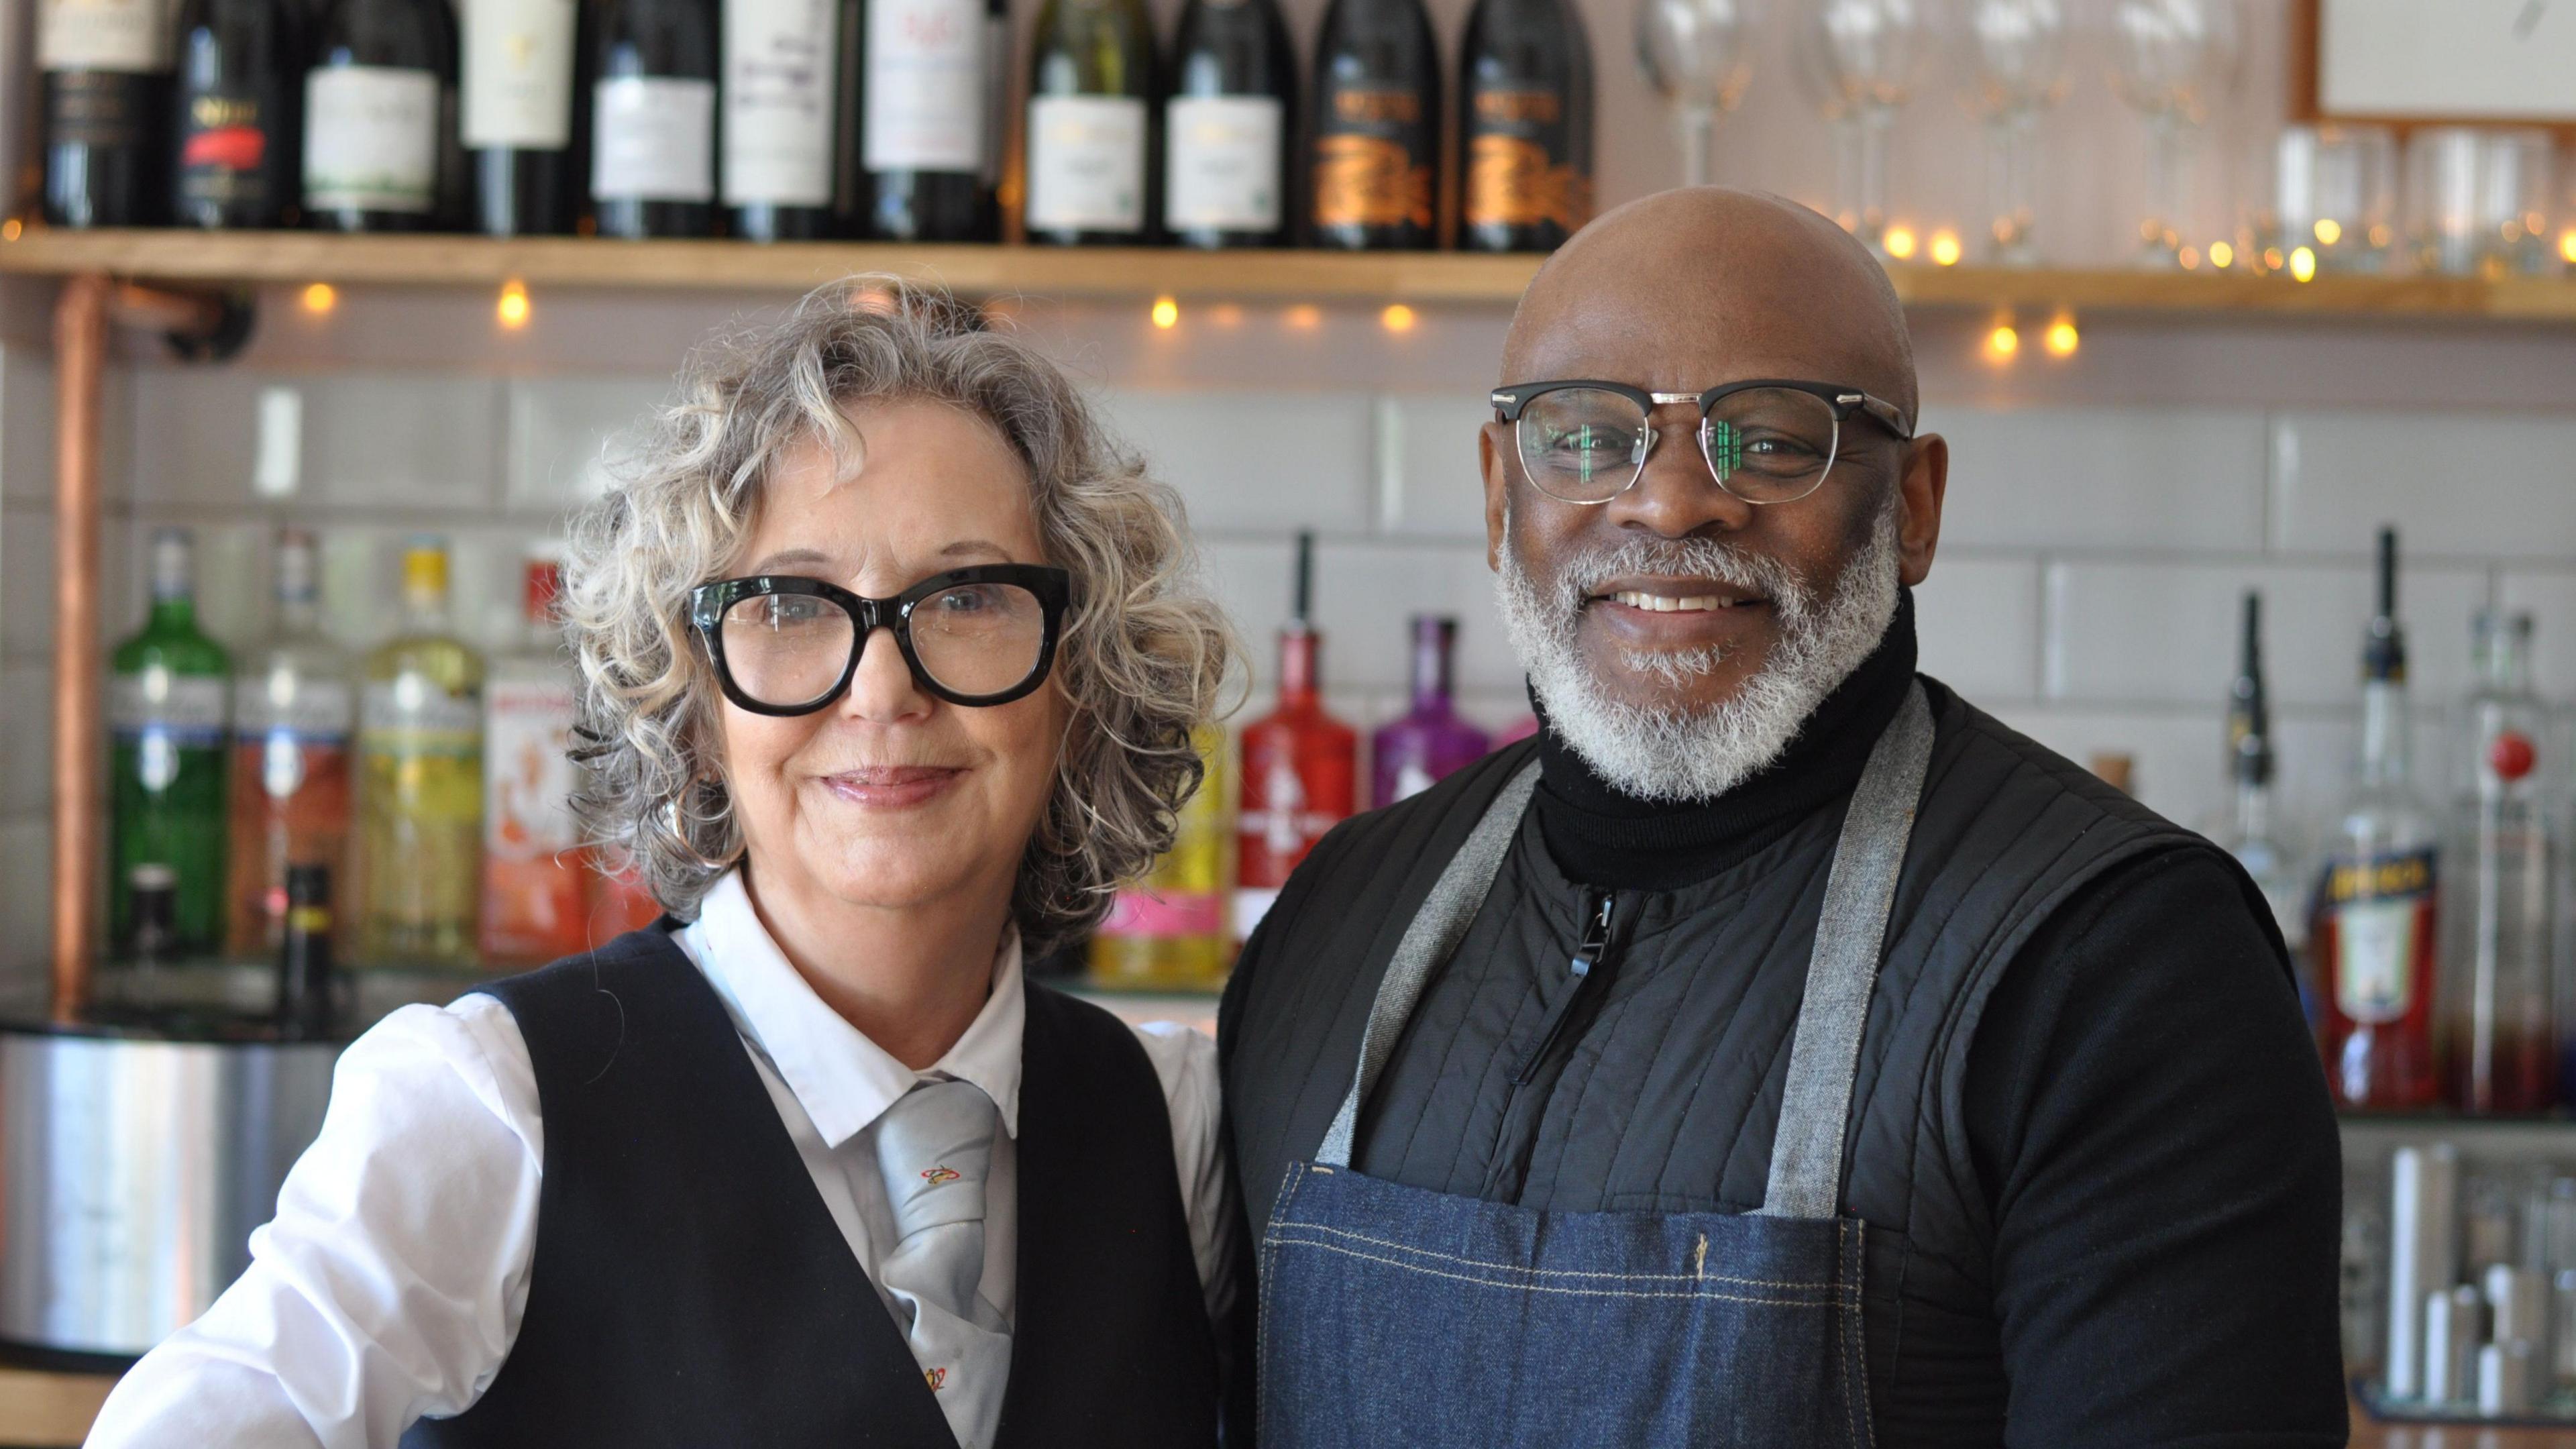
[(1658, 603)]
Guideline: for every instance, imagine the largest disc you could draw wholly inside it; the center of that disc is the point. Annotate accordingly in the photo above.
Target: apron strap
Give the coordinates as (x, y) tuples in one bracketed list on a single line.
[(1807, 1150), (1434, 933)]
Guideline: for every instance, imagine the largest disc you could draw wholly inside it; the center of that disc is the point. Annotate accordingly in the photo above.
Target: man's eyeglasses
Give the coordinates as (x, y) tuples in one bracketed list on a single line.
[(784, 645), (1769, 440)]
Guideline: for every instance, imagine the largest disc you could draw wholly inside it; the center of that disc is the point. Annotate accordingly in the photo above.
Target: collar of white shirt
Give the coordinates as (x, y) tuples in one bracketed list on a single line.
[(843, 1080)]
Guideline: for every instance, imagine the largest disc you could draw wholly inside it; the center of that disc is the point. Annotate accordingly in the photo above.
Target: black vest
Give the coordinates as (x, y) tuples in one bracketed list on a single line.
[(1668, 1095), (690, 1288)]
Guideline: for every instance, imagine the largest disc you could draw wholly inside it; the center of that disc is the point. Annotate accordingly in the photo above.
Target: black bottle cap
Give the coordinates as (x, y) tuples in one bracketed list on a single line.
[(2383, 650)]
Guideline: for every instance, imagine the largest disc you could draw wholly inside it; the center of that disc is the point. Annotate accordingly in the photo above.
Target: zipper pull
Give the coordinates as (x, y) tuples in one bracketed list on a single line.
[(1596, 933), (1595, 946)]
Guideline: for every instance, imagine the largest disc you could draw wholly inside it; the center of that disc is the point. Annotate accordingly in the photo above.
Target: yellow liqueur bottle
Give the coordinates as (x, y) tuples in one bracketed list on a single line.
[(1168, 931), (420, 790)]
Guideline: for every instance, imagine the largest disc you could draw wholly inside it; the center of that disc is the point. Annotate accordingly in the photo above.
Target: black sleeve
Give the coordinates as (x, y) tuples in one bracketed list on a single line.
[(2150, 1126)]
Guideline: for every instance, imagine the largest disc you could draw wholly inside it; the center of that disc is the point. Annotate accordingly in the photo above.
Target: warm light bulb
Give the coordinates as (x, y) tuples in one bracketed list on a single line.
[(2303, 264), (2567, 244), (1945, 248), (2271, 259), (2221, 255), (9, 229), (1899, 242), (1167, 313), (1226, 314), (512, 309), (319, 298), (2062, 338), (2329, 231), (2189, 257), (1397, 318), (2004, 341), (1303, 317)]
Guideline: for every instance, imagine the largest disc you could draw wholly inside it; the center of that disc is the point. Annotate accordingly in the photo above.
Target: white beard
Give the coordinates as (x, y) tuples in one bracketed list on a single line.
[(1675, 754)]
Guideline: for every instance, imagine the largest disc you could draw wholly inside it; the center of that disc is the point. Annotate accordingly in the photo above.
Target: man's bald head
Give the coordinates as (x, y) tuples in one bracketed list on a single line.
[(1690, 288)]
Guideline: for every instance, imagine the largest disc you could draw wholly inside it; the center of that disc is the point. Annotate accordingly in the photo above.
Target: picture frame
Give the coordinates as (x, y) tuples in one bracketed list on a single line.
[(2409, 63)]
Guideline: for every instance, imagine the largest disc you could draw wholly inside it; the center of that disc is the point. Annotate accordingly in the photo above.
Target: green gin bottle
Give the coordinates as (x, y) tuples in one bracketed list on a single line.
[(420, 783), (166, 761)]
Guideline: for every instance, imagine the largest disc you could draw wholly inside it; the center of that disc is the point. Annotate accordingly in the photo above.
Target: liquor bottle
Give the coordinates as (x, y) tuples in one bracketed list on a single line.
[(241, 75), (2500, 913), (536, 889), (2250, 831), (1525, 126), (931, 132), (1407, 755), (517, 115), (1091, 139), (420, 782), (1227, 124), (106, 67), (1300, 766), (373, 104), (166, 758), (1374, 181), (305, 975), (1168, 930), (781, 99), (653, 119), (292, 714), (2373, 935)]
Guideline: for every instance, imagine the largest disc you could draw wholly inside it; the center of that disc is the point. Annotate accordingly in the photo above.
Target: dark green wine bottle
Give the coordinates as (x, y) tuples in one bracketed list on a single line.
[(1375, 165), (1093, 132), (1227, 124), (1525, 126)]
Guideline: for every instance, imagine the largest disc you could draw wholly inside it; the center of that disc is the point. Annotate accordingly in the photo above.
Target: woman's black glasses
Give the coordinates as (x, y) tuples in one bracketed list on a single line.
[(784, 645)]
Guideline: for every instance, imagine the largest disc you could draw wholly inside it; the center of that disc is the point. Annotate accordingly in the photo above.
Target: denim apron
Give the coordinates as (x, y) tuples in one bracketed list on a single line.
[(1393, 1315)]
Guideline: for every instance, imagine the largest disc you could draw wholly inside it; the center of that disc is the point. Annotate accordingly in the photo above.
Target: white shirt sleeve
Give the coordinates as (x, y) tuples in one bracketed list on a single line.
[(391, 1283), (1185, 1059)]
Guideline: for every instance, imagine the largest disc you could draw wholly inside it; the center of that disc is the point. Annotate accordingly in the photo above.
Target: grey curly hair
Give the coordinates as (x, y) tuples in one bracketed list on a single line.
[(1144, 655)]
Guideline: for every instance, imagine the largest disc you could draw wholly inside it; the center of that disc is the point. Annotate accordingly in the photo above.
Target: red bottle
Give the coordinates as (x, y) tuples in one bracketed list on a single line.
[(1300, 767)]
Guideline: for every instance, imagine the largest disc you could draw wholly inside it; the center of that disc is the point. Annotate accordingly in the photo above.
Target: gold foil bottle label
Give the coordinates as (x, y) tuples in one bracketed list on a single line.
[(1368, 181), (1511, 183)]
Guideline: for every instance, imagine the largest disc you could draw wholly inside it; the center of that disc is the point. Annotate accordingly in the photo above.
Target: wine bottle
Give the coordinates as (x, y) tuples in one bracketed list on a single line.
[(1227, 125), (1300, 773), (373, 103), (653, 119), (1091, 124), (780, 97), (241, 71), (1525, 126), (106, 67), (1375, 177), (930, 138), (517, 115), (166, 793)]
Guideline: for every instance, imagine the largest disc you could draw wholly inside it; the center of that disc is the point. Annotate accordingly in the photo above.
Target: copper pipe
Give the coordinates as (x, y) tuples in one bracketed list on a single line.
[(80, 354)]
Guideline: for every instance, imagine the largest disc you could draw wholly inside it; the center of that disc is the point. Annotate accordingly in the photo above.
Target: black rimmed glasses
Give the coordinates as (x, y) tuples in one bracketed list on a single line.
[(1768, 440), (785, 645)]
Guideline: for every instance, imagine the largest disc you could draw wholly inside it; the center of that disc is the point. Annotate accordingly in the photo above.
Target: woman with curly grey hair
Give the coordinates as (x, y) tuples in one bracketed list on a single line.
[(889, 666)]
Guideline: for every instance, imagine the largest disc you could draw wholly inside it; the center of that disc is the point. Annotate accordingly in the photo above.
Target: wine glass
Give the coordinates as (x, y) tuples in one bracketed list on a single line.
[(2173, 57), (2017, 55), (1861, 57), (1696, 55)]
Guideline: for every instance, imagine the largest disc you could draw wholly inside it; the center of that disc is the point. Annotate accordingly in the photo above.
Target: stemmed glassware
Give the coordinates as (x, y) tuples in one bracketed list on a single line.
[(2174, 55), (2017, 55), (1697, 55), (1862, 58)]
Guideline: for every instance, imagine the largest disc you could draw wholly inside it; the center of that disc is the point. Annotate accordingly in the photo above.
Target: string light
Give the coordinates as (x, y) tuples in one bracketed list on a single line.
[(2221, 255), (1303, 317), (2567, 244), (2003, 342), (512, 309), (1945, 248), (2303, 264), (1396, 318), (2189, 256), (1167, 313), (2271, 259), (2061, 340), (319, 298), (1226, 314), (2329, 231), (9, 229), (1899, 242)]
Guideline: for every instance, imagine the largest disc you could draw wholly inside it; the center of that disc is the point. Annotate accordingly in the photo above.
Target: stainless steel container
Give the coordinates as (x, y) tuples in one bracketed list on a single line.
[(137, 1163)]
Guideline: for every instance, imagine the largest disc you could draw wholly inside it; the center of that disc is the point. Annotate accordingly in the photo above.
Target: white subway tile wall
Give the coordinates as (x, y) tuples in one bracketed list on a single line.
[(2094, 554)]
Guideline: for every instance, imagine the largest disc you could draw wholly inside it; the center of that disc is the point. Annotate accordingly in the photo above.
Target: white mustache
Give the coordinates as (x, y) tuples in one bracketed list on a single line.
[(1685, 558)]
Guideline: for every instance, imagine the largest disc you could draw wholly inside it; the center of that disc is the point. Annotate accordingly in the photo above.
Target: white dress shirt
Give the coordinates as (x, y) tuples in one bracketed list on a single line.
[(391, 1283)]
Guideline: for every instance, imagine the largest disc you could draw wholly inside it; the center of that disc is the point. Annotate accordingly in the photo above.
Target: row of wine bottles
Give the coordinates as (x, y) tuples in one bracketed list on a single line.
[(808, 119)]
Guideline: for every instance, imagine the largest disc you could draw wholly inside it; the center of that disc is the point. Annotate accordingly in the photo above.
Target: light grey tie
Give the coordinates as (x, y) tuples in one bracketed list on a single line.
[(934, 1151)]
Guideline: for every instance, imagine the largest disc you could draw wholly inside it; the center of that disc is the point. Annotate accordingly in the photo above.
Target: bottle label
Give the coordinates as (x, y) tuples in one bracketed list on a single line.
[(370, 138), (134, 36), (223, 148), (410, 715), (1086, 163), (528, 773), (2381, 911), (1367, 172), (1224, 164), (655, 139), (189, 709), (1162, 915), (518, 74), (97, 108), (778, 102), (1514, 175), (927, 71), (318, 711)]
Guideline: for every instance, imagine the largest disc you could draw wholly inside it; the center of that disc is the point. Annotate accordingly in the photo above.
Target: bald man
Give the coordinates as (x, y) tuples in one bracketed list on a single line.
[(1777, 1050)]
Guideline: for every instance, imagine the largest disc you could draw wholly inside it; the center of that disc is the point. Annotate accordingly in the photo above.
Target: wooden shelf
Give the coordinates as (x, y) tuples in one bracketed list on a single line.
[(1137, 272)]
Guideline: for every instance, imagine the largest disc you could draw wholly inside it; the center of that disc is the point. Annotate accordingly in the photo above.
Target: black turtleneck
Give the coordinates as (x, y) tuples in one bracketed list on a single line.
[(1602, 836)]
